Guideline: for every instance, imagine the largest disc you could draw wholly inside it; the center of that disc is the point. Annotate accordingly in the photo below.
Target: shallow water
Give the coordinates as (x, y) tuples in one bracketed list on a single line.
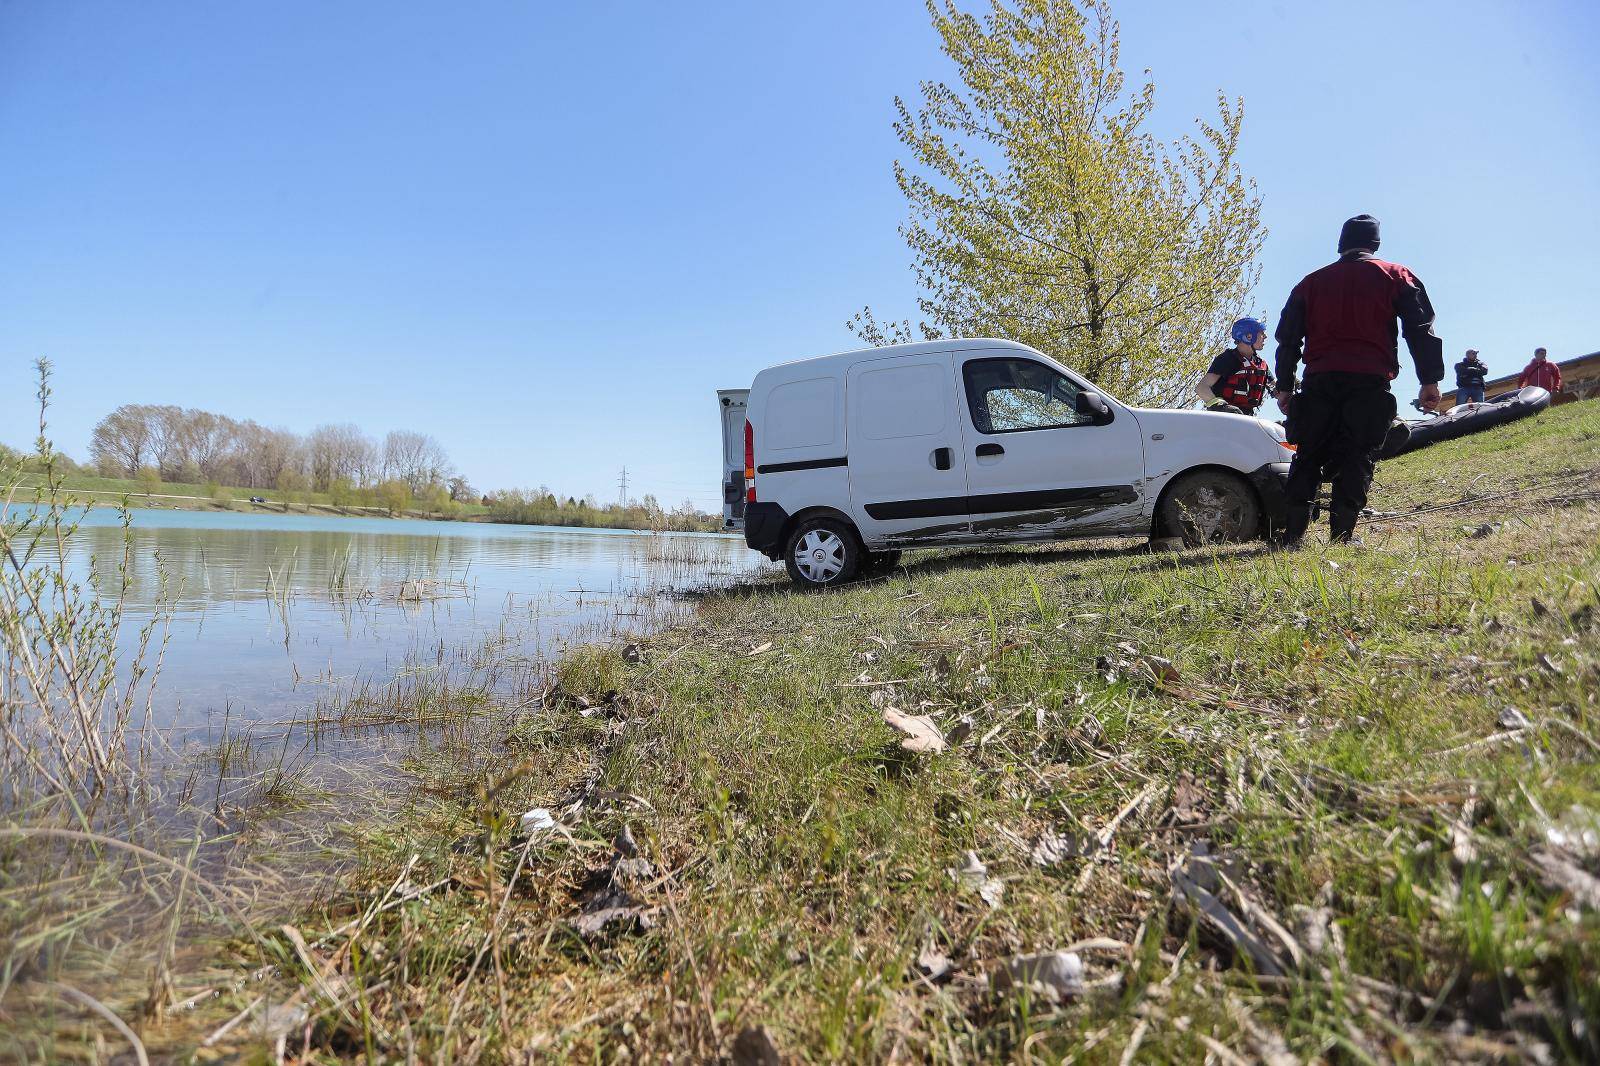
[(270, 617)]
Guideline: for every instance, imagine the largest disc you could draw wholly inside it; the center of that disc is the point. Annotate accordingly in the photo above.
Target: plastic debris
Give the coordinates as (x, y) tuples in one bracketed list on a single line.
[(1055, 975), (1053, 848), (1511, 718), (933, 964), (973, 875), (537, 820), (921, 735)]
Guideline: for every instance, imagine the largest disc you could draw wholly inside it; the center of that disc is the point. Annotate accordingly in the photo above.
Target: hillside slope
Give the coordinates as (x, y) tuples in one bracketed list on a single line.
[(1337, 802)]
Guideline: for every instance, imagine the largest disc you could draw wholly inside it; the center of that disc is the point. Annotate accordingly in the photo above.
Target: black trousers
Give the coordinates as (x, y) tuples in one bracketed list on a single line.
[(1338, 421)]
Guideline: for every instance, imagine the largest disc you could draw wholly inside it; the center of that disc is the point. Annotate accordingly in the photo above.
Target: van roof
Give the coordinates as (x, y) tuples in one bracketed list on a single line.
[(840, 359)]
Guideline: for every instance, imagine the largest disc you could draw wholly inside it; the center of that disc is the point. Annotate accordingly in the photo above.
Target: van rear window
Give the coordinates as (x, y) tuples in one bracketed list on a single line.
[(901, 401)]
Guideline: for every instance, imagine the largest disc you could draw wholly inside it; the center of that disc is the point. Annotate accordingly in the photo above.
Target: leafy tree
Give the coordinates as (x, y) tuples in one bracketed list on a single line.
[(394, 496), (292, 484), (149, 480), (1042, 211)]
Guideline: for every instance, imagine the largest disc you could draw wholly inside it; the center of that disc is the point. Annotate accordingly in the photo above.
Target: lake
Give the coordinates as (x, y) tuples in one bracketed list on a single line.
[(271, 619)]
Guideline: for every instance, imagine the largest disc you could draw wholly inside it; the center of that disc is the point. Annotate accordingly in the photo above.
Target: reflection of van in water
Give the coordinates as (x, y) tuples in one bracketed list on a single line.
[(834, 464)]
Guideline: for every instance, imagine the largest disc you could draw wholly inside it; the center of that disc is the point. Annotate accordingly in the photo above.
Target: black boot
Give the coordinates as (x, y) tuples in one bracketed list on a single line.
[(1295, 520), (1342, 526)]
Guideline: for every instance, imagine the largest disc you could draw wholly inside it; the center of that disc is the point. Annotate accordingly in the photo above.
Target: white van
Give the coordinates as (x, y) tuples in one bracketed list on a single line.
[(835, 464)]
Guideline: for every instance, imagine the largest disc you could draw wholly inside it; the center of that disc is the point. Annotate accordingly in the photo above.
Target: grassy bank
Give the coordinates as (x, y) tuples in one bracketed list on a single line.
[(185, 496), (1277, 806)]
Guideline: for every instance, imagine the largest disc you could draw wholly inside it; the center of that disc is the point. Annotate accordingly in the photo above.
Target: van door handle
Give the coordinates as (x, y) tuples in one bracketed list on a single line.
[(990, 449), (941, 458)]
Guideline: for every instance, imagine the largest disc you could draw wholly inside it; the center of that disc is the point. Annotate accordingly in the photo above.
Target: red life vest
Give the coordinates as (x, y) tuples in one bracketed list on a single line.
[(1246, 387)]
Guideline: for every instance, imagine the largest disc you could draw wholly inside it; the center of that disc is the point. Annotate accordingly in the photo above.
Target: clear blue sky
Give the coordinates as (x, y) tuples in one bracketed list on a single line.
[(546, 233)]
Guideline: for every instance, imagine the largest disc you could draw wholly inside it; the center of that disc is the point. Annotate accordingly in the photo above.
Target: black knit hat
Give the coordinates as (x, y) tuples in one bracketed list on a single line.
[(1359, 232)]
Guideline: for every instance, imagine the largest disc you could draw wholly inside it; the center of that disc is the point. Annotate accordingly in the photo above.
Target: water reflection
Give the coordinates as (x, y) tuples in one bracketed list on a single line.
[(269, 615)]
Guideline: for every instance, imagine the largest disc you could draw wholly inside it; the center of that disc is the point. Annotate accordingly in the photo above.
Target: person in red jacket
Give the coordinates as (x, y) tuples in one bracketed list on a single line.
[(1340, 321), (1541, 372)]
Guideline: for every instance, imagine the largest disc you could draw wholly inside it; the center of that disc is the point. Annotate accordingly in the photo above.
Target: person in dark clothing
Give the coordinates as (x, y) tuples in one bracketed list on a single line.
[(1238, 380), (1340, 321), (1469, 378)]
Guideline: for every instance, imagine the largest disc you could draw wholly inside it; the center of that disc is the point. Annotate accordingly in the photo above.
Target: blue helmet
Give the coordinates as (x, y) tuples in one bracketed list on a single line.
[(1246, 329)]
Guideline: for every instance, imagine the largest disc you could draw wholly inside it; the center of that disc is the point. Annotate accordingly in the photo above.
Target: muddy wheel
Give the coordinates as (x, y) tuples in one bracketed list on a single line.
[(823, 552), (1210, 507)]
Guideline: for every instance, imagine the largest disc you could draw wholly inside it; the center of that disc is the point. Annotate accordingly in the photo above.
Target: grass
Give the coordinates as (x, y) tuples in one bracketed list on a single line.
[(187, 496), (1313, 738)]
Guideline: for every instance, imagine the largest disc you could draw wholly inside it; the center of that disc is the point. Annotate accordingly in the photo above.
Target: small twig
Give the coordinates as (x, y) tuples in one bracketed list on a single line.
[(1221, 1051), (1484, 742), (232, 1023), (1129, 1052), (83, 999), (1575, 731), (1103, 837)]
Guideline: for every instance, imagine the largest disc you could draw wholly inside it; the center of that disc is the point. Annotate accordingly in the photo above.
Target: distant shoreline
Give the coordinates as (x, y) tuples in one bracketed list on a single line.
[(168, 501)]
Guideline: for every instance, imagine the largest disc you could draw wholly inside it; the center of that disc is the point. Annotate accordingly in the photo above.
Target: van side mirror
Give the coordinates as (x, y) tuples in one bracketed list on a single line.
[(1093, 406)]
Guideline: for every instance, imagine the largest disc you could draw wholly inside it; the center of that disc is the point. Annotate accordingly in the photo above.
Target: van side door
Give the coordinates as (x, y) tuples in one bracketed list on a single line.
[(1038, 464), (908, 481)]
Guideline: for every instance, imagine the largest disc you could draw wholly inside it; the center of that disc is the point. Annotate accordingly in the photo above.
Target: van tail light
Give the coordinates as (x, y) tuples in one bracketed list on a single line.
[(749, 462)]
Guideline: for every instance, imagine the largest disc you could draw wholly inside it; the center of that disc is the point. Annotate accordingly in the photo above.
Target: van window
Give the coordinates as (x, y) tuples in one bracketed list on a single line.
[(1010, 395), (901, 401), (800, 414)]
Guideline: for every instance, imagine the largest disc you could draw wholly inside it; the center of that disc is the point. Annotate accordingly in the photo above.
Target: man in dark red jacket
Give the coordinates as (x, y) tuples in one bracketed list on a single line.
[(1541, 372), (1340, 321)]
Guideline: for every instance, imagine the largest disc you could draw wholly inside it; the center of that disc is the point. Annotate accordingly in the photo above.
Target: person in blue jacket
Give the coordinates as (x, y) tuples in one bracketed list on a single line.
[(1469, 378)]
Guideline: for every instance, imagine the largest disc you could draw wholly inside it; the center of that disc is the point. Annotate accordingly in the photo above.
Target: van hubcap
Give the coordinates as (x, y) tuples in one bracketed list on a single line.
[(819, 555), (1213, 515)]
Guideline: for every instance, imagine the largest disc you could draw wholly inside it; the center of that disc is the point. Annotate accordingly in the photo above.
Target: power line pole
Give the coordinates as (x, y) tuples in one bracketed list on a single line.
[(622, 484)]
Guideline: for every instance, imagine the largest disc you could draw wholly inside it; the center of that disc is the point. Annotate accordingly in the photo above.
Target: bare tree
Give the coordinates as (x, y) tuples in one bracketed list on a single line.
[(415, 458), (167, 432), (120, 443), (338, 452), (194, 445)]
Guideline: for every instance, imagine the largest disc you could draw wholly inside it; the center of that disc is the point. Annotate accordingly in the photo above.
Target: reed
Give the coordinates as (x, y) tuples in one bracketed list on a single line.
[(66, 717)]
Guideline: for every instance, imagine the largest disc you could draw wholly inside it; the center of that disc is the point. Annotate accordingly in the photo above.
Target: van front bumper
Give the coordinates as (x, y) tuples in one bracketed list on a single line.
[(1270, 481), (763, 528)]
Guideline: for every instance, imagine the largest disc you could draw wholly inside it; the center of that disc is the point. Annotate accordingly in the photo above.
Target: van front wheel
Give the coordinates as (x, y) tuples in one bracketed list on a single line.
[(1210, 507), (822, 552)]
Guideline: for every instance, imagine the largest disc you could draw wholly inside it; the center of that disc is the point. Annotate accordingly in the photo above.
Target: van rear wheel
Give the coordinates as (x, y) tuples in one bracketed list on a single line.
[(1210, 507), (823, 552)]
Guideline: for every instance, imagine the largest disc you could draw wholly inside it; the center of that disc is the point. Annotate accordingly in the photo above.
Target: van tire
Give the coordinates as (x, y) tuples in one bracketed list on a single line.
[(1210, 507), (823, 552)]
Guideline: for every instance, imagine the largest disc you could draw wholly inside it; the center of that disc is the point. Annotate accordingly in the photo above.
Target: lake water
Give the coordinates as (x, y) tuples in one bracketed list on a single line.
[(271, 617)]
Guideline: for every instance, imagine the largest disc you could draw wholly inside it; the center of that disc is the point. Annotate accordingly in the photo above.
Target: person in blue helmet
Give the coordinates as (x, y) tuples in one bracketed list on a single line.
[(1238, 380)]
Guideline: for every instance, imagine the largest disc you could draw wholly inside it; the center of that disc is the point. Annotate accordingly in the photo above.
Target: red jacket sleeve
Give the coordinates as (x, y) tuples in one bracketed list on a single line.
[(1522, 378)]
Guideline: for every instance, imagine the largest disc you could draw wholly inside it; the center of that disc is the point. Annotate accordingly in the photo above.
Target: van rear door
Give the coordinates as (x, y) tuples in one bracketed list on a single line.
[(733, 403)]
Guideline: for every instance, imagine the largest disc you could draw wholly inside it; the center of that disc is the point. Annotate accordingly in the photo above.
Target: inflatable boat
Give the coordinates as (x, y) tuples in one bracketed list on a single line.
[(1468, 418)]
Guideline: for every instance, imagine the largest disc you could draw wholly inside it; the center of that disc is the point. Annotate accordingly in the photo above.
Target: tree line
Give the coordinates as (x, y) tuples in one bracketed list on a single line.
[(541, 507), (189, 445)]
